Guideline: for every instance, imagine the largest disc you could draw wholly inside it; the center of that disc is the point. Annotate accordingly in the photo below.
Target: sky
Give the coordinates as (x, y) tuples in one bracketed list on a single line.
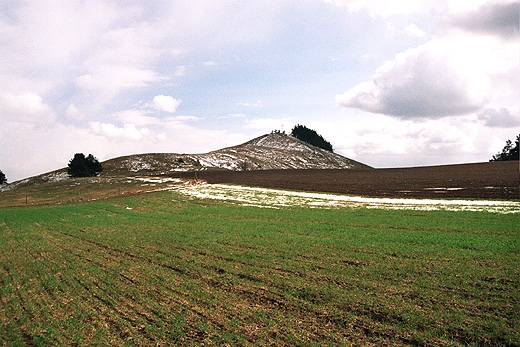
[(389, 83)]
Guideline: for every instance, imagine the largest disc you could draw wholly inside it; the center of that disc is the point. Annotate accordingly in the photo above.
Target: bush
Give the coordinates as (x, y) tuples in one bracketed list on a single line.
[(81, 166), (2, 178), (311, 137)]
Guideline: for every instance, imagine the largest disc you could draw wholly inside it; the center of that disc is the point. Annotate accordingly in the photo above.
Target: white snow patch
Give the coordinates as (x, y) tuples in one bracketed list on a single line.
[(56, 177), (157, 179), (279, 198)]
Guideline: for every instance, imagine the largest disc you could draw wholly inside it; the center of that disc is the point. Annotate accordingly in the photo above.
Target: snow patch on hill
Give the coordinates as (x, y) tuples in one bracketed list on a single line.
[(275, 151)]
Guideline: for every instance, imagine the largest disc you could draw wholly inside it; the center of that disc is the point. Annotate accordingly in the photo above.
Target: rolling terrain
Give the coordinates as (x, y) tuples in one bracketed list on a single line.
[(267, 152), (282, 161), (95, 261)]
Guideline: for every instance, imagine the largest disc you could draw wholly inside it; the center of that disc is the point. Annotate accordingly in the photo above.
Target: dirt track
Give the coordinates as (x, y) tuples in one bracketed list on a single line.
[(496, 180)]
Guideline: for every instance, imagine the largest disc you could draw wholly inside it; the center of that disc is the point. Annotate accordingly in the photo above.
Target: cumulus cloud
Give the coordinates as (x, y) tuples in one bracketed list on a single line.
[(498, 19), (27, 107), (165, 103), (430, 81), (501, 118), (111, 131)]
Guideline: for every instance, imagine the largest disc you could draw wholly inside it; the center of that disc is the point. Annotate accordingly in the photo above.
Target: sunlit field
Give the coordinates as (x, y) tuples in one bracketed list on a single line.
[(172, 269)]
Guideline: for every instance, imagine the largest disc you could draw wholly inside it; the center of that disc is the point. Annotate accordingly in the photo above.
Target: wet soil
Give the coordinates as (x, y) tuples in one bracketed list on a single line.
[(494, 180)]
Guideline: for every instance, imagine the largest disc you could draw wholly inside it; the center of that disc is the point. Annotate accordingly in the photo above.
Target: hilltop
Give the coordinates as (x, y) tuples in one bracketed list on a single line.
[(266, 152)]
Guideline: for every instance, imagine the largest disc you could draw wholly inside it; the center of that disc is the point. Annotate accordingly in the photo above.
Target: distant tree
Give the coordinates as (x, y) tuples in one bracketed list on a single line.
[(278, 132), (311, 137), (509, 152), (81, 166), (2, 178)]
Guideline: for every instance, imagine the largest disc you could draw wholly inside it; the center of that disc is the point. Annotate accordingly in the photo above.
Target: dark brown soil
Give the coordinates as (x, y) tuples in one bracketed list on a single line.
[(494, 180)]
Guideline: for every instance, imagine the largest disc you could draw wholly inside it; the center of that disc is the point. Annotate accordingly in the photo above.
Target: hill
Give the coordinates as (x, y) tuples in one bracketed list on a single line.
[(267, 152), (276, 151)]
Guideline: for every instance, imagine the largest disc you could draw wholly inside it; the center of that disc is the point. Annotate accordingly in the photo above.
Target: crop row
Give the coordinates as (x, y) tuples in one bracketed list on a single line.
[(163, 269)]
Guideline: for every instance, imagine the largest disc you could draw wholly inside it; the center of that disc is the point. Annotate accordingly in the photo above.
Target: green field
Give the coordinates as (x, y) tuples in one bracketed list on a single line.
[(164, 269)]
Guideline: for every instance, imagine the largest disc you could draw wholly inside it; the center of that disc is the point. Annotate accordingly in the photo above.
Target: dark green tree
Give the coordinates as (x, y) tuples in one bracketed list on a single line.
[(509, 152), (81, 166), (2, 178), (301, 132)]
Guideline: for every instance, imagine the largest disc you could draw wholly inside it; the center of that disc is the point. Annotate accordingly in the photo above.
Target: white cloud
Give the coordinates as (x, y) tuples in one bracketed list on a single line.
[(165, 103), (383, 141), (257, 103), (136, 117), (414, 31), (181, 70), (386, 8), (113, 79), (186, 118), (270, 124), (440, 78), (27, 107), (111, 131), (73, 113), (233, 116)]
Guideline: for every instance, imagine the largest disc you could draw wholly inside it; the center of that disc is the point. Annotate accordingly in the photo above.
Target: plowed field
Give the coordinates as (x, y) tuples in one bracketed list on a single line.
[(495, 180)]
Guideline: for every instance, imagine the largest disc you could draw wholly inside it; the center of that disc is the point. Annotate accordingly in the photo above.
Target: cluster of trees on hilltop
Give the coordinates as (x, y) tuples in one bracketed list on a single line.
[(509, 152), (301, 132), (3, 179)]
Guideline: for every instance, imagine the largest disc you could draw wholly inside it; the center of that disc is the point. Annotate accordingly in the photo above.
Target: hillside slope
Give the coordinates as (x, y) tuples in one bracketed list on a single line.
[(275, 151), (267, 152)]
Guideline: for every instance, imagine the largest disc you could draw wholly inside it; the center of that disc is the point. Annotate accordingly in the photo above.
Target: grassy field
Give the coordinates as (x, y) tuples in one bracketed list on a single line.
[(166, 269)]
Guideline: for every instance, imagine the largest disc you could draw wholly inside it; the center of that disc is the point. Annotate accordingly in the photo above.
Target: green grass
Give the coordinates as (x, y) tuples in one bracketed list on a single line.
[(162, 269)]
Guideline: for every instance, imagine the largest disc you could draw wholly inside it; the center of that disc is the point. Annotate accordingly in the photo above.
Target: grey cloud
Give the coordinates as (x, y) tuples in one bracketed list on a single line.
[(496, 19), (502, 118), (419, 83)]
